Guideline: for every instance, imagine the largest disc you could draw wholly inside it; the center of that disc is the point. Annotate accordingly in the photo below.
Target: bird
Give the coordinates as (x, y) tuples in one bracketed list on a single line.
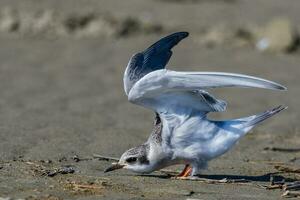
[(182, 133)]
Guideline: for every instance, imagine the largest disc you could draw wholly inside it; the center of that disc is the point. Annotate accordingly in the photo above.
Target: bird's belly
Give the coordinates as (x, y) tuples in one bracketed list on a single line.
[(198, 138)]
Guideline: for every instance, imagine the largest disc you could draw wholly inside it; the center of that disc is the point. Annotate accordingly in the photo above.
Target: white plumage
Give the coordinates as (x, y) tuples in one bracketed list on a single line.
[(186, 135)]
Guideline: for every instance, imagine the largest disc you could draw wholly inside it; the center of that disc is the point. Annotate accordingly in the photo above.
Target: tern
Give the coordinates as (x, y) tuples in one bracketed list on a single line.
[(182, 132)]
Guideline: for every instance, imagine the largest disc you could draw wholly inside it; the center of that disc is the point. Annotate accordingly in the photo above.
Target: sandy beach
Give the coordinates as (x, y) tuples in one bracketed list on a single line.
[(62, 97)]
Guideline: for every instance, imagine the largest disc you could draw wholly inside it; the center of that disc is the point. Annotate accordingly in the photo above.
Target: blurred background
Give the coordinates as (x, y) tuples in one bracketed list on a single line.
[(62, 64)]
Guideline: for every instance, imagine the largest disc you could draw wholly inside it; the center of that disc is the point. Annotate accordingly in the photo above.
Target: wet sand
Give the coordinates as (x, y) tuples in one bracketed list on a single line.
[(62, 95)]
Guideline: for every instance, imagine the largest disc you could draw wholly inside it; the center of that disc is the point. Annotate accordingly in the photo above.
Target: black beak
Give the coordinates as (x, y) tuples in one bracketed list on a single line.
[(113, 167)]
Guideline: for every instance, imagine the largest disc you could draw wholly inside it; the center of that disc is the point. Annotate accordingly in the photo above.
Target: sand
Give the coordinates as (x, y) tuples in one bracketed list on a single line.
[(62, 95)]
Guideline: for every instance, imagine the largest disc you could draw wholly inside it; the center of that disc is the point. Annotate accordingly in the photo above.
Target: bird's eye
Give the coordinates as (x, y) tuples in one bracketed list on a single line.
[(131, 159)]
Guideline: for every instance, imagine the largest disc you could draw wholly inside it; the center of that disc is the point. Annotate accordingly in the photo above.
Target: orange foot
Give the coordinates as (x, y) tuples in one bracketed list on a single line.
[(186, 172)]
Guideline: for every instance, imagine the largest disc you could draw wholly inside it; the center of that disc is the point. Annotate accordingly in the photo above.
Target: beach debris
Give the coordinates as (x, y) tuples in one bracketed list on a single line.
[(215, 36), (40, 169), (87, 25), (5, 198), (287, 169), (130, 26), (181, 192), (287, 150), (62, 170), (291, 189), (76, 158), (273, 187), (106, 158), (79, 187), (46, 161), (189, 193), (279, 35), (290, 194), (53, 24), (292, 186), (62, 159), (274, 184), (225, 35)]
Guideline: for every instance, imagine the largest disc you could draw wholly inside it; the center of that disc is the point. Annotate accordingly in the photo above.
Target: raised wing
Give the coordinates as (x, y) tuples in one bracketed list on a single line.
[(162, 81), (153, 58), (155, 88)]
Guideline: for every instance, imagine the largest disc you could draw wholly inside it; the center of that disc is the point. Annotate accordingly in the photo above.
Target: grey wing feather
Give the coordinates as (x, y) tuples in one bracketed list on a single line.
[(153, 58), (216, 105), (169, 90), (162, 81)]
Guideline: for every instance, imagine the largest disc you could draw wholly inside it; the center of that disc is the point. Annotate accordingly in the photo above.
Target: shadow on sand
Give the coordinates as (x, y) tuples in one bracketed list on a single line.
[(261, 178)]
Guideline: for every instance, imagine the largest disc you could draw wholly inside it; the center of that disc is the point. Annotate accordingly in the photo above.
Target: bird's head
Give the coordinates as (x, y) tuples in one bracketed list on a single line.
[(135, 159)]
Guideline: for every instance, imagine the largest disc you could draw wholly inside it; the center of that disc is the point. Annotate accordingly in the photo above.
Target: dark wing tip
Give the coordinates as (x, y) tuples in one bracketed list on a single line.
[(281, 87), (167, 42), (278, 86), (182, 34), (177, 36)]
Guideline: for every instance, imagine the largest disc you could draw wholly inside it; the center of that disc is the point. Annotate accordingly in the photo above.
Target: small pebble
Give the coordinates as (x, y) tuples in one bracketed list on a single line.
[(76, 158), (62, 159), (67, 170), (63, 170), (189, 193)]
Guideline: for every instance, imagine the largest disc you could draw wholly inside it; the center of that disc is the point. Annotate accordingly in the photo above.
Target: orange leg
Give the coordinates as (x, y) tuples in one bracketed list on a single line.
[(187, 171)]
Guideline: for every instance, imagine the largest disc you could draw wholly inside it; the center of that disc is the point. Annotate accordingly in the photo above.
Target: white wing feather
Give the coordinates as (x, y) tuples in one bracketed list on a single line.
[(162, 81), (171, 91)]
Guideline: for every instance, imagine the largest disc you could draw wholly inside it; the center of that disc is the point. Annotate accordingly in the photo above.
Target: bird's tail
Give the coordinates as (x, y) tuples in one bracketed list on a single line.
[(249, 122)]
